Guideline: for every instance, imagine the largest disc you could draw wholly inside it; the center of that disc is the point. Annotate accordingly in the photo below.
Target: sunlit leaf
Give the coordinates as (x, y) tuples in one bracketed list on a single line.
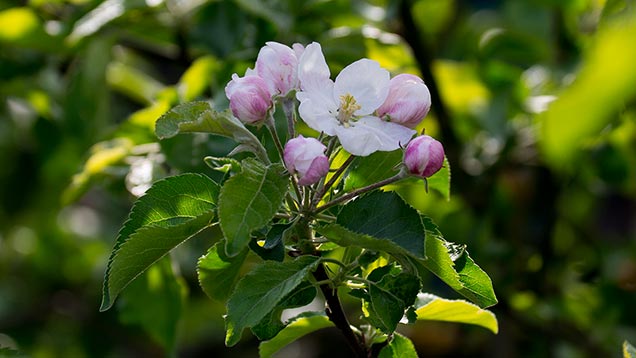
[(258, 293), (299, 327), (172, 210), (431, 307), (399, 347), (441, 181), (452, 264)]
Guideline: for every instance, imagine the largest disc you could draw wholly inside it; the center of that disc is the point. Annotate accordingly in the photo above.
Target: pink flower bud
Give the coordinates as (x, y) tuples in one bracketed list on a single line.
[(249, 97), (306, 157), (424, 156), (277, 64), (408, 102)]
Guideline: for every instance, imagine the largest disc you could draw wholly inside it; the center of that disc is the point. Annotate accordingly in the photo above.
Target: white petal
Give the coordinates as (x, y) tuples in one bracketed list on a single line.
[(371, 134), (317, 110), (367, 82), (313, 71)]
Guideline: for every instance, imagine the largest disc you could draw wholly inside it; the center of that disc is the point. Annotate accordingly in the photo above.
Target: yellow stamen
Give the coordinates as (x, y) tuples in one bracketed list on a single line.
[(348, 106)]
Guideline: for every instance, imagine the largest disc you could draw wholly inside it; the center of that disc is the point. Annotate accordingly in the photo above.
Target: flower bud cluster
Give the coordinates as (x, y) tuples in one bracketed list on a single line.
[(364, 108), (275, 74)]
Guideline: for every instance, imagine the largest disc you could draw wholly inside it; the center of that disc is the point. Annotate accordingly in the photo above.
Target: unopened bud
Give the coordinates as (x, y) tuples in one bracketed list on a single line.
[(424, 156), (249, 98), (408, 102), (306, 157)]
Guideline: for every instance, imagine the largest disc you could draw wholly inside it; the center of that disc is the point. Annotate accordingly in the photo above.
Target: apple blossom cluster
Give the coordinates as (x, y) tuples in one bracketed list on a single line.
[(363, 107)]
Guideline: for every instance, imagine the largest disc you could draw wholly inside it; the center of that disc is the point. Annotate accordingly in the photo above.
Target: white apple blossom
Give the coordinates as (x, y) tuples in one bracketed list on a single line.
[(346, 108)]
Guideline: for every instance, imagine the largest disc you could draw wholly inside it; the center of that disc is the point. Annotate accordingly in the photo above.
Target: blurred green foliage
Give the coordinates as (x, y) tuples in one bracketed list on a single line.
[(534, 100)]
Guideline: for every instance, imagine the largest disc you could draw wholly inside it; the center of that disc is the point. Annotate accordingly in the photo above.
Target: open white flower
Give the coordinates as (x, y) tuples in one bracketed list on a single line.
[(345, 108)]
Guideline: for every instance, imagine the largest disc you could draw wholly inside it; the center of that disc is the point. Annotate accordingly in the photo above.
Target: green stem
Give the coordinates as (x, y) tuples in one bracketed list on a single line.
[(288, 108), (271, 127), (321, 192), (353, 194)]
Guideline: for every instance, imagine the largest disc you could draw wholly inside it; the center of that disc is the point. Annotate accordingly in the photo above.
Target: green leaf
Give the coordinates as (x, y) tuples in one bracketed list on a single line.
[(399, 347), (628, 350), (258, 293), (172, 210), (385, 216), (302, 325), (224, 165), (431, 307), (371, 169), (154, 301), (343, 237), (249, 200), (452, 264), (269, 326), (200, 117), (388, 298), (441, 181), (273, 247), (218, 273)]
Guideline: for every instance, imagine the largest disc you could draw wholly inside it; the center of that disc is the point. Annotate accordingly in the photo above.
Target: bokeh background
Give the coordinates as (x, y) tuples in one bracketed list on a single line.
[(534, 100)]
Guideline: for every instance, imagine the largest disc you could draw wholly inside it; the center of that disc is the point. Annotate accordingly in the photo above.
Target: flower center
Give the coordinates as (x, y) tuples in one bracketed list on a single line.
[(348, 106)]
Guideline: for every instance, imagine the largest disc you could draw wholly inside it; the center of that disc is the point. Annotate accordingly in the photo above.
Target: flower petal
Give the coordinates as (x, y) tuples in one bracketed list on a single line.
[(371, 134), (313, 71), (367, 82), (277, 65), (317, 110)]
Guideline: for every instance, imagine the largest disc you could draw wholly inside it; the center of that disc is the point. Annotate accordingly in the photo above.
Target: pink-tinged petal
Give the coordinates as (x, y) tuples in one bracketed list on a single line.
[(249, 98), (424, 156), (367, 82), (278, 66), (298, 50), (318, 169), (313, 71), (305, 156), (408, 102)]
